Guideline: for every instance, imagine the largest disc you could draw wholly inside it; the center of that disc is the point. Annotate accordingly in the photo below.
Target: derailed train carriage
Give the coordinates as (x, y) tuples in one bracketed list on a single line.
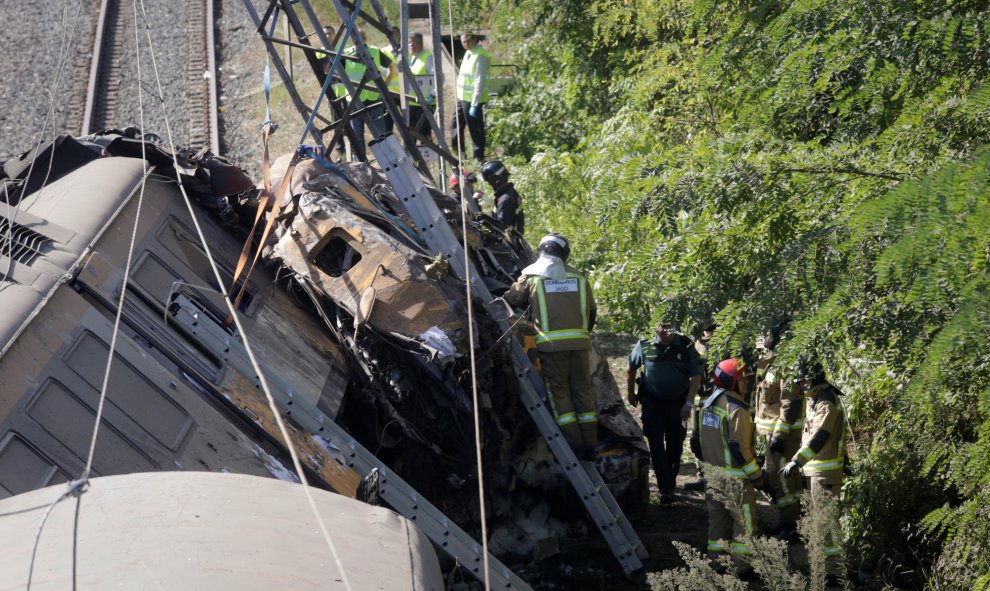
[(350, 315)]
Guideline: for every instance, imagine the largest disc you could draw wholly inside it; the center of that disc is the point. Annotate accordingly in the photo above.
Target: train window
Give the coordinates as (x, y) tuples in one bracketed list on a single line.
[(336, 256), (23, 468)]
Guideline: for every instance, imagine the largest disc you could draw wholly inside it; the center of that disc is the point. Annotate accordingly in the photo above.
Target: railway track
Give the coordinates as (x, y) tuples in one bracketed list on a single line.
[(112, 92)]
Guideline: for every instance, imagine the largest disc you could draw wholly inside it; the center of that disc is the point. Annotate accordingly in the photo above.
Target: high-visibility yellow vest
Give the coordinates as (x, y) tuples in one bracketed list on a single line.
[(561, 312), (393, 85), (355, 72), (419, 66), (469, 69)]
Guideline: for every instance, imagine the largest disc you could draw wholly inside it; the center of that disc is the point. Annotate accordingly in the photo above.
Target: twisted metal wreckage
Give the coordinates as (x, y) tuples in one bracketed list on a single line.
[(357, 314)]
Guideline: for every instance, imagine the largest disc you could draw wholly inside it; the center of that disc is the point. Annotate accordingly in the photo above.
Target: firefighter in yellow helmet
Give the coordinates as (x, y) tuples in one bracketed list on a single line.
[(779, 420), (560, 304), (822, 454), (727, 438)]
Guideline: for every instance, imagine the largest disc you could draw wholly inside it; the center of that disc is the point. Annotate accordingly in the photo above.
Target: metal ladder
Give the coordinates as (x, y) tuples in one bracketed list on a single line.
[(587, 482), (402, 497)]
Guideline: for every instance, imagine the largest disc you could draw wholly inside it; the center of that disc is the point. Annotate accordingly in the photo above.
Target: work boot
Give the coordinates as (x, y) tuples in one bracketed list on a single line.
[(696, 484), (745, 573), (667, 499)]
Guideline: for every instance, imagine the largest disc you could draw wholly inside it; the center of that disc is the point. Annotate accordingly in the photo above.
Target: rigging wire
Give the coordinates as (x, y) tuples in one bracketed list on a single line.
[(64, 50), (75, 488), (470, 310), (262, 381)]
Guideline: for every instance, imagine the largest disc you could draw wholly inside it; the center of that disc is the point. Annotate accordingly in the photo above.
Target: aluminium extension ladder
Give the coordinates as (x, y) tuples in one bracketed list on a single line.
[(402, 497), (433, 227)]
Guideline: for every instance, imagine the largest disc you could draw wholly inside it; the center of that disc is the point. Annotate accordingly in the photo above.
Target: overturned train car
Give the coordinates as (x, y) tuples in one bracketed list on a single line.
[(347, 312)]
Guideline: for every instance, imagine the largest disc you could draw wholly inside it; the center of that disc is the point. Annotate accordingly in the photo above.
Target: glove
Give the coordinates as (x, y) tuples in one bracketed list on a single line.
[(474, 111), (790, 468), (777, 445)]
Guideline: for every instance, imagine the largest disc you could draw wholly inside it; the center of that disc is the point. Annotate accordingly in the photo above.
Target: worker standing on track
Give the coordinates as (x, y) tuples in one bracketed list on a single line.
[(561, 306), (779, 420), (369, 96), (472, 94), (507, 200)]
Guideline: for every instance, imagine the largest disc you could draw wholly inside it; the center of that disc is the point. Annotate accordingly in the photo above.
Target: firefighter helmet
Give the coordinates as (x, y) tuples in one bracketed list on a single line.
[(728, 372), (810, 368), (494, 173), (556, 245), (454, 179)]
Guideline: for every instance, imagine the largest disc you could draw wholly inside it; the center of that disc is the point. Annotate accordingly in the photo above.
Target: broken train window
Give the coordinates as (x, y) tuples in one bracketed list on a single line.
[(336, 255)]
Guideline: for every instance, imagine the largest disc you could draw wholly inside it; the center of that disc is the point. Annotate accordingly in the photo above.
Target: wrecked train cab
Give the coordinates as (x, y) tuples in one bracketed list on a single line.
[(351, 318)]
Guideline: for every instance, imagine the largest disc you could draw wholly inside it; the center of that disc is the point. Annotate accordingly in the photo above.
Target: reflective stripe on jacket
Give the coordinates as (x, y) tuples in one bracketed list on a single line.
[(824, 430)]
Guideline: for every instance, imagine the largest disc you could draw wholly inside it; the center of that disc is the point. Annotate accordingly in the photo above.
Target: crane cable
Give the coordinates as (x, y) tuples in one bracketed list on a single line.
[(262, 381), (80, 485), (470, 309)]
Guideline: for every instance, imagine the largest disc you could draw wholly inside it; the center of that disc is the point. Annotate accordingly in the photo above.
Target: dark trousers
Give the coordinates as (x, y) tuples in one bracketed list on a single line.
[(358, 150), (475, 125), (665, 434), (419, 122)]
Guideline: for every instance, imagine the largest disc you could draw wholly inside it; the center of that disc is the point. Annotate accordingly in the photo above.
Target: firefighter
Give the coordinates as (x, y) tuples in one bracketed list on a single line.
[(779, 420), (671, 378), (560, 304), (822, 454), (726, 434), (507, 200), (472, 94)]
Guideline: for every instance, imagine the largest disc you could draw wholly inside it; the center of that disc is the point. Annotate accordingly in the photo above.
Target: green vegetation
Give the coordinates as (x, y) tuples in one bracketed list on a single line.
[(827, 159)]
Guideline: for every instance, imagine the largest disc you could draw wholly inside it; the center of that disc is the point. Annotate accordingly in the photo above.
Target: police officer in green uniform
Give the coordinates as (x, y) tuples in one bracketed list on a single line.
[(671, 378)]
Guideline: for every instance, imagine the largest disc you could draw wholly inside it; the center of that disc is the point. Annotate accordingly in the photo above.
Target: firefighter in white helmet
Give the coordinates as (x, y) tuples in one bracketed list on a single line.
[(561, 306)]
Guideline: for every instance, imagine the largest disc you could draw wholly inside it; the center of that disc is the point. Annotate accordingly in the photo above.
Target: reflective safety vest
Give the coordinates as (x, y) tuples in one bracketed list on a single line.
[(355, 72), (561, 310), (474, 60), (727, 436), (393, 85), (419, 66)]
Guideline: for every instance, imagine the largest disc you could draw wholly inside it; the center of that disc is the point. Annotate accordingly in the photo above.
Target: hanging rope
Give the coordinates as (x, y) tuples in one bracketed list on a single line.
[(262, 381), (470, 309)]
